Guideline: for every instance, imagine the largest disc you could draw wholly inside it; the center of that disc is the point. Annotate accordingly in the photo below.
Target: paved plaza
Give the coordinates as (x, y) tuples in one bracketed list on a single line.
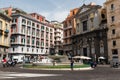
[(99, 73)]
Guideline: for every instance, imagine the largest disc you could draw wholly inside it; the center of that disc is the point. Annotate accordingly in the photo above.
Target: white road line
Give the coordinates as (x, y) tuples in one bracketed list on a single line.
[(9, 75)]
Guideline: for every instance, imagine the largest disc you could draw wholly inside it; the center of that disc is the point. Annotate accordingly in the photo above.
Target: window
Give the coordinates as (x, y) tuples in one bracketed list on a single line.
[(37, 25), (14, 20), (22, 49), (46, 44), (46, 35), (112, 6), (33, 41), (4, 50), (42, 43), (13, 49), (27, 49), (23, 21), (12, 39), (41, 50), (32, 50), (112, 18), (42, 27), (114, 43), (0, 24), (84, 25), (85, 51), (114, 51), (28, 23), (28, 40), (23, 40), (47, 29), (103, 16), (23, 29), (33, 32), (73, 13), (50, 36), (33, 24), (37, 50), (70, 33), (113, 31), (51, 30), (70, 23), (37, 43), (28, 31)]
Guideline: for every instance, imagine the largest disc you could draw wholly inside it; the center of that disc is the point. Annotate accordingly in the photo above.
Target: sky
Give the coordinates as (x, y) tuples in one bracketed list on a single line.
[(51, 9)]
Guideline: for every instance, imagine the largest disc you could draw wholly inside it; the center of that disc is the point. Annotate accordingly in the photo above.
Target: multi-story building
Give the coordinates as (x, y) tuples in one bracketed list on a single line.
[(31, 35), (113, 23), (58, 37), (69, 30), (5, 22), (91, 32)]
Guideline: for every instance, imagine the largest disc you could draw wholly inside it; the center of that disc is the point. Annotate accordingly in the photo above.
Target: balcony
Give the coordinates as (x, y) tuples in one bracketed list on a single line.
[(57, 35), (6, 32), (57, 31), (57, 40), (66, 37), (69, 27), (15, 43)]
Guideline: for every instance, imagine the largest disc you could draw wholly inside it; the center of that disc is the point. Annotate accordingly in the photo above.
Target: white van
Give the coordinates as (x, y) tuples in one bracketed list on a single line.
[(18, 58)]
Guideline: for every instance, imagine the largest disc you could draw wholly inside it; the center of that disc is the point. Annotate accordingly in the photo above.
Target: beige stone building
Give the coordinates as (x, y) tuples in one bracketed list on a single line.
[(113, 23), (58, 37), (4, 34)]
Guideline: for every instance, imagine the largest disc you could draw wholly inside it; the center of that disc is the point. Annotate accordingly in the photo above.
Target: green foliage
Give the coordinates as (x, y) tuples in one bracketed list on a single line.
[(57, 66)]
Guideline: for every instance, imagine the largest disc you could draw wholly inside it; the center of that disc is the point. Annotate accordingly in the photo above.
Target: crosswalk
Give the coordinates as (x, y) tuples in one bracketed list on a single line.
[(10, 75)]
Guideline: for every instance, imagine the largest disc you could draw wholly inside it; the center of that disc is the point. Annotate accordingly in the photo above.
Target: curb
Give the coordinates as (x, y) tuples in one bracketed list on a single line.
[(74, 69)]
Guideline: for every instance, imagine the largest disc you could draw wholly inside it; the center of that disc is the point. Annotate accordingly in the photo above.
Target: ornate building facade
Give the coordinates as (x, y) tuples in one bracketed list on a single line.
[(91, 32)]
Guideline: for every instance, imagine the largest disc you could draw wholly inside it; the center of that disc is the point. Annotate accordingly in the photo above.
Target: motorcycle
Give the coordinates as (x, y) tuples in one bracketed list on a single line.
[(11, 63)]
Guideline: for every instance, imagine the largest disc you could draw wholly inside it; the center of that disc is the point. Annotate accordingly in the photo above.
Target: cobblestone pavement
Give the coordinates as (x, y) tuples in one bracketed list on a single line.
[(99, 73)]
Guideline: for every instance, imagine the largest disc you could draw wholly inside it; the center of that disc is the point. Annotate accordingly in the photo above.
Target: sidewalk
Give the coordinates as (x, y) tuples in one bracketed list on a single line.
[(100, 65)]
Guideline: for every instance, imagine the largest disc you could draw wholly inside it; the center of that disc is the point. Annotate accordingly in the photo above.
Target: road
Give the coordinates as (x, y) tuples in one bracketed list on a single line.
[(99, 73)]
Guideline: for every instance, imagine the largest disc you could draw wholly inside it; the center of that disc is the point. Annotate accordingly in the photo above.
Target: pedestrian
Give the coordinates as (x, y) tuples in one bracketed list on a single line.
[(95, 64), (72, 64), (4, 62), (91, 64)]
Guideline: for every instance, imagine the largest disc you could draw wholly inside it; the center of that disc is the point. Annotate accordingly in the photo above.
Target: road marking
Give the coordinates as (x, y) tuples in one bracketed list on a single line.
[(9, 75)]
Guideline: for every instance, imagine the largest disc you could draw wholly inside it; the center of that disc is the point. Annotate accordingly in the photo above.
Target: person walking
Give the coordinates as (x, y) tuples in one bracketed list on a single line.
[(72, 64)]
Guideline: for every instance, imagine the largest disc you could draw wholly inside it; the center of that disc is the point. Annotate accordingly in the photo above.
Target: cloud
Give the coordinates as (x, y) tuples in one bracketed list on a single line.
[(58, 15)]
